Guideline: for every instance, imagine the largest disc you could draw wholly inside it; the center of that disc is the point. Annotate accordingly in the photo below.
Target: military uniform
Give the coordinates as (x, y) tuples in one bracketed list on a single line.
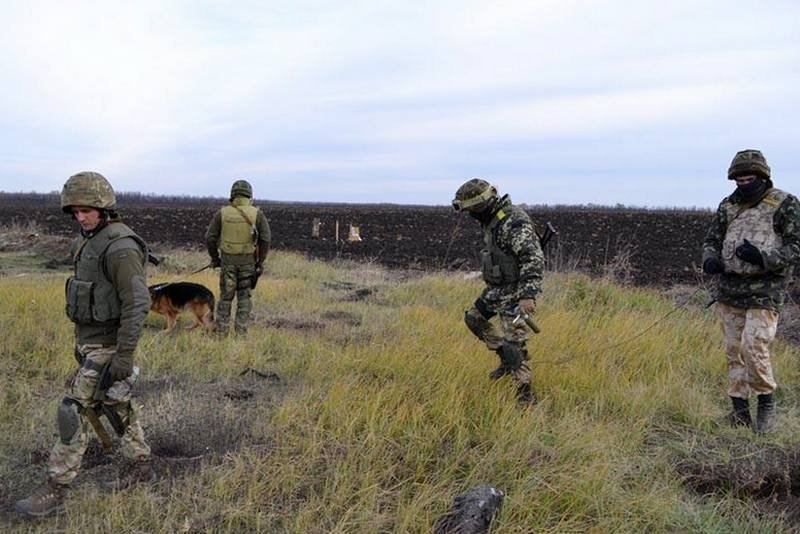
[(238, 240), (512, 264), (107, 300), (753, 244)]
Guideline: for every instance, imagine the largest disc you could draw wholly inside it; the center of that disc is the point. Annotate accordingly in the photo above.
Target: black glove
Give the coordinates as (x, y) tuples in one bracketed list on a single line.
[(215, 262), (713, 266), (750, 253), (121, 367)]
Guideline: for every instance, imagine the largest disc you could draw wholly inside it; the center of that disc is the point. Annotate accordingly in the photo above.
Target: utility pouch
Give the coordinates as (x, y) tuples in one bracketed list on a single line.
[(491, 271), (79, 300)]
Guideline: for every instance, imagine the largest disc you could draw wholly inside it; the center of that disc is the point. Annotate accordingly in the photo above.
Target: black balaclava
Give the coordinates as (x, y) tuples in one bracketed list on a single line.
[(753, 190)]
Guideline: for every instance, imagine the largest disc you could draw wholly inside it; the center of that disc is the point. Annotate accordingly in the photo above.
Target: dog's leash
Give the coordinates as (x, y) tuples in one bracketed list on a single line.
[(201, 269)]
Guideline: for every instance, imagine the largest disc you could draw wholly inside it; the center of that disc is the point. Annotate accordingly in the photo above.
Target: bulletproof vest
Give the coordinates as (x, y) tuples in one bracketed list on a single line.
[(499, 267), (91, 297), (754, 224), (238, 236)]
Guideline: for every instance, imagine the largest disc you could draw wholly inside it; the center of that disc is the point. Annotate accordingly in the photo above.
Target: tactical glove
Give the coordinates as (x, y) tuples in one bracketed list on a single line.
[(121, 367), (215, 262), (749, 253), (713, 266), (527, 306)]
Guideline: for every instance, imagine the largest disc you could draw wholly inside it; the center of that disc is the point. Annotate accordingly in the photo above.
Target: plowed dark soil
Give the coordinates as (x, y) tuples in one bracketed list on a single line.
[(652, 247)]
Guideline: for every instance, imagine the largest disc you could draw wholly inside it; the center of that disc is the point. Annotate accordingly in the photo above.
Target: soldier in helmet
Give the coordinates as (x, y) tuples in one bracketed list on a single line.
[(108, 300), (512, 264), (238, 240), (753, 245)]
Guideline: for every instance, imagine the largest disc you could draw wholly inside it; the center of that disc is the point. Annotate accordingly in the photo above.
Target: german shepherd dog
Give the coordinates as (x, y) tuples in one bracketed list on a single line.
[(171, 298)]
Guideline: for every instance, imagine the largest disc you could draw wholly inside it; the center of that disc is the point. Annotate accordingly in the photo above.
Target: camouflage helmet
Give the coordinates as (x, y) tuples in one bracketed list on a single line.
[(474, 195), (747, 162), (241, 188), (88, 189)]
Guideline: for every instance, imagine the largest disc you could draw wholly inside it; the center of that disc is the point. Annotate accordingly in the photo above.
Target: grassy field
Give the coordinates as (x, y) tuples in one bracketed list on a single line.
[(373, 409)]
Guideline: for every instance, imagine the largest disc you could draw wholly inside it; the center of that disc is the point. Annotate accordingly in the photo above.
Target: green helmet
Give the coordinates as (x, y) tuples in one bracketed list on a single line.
[(88, 189), (241, 188), (474, 195), (747, 162)]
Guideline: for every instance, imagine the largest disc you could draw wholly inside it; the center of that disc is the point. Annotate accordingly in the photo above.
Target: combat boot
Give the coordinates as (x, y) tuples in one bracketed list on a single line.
[(740, 415), (766, 419), (134, 472), (45, 500), (525, 394)]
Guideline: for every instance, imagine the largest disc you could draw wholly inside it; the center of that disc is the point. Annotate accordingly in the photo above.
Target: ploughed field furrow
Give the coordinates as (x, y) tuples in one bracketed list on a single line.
[(658, 247)]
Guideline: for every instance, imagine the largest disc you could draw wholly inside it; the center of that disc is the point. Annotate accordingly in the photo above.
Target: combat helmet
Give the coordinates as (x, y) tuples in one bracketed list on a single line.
[(89, 189), (747, 162), (241, 188), (474, 195)]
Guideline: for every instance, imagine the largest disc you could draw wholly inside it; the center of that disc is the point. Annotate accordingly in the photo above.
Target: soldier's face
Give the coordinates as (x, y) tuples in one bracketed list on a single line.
[(745, 180), (87, 217)]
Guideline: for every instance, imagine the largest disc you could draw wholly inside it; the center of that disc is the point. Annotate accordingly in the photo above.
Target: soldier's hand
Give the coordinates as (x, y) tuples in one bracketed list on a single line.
[(121, 367), (215, 262), (749, 253), (713, 266), (527, 306)]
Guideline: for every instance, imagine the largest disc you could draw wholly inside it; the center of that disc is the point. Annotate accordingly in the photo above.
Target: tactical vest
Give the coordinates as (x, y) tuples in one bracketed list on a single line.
[(237, 235), (499, 267), (755, 225), (91, 297)]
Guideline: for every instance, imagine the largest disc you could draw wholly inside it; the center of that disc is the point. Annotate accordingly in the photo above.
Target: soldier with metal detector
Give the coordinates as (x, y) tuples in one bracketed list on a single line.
[(108, 300), (512, 265), (753, 244), (238, 241)]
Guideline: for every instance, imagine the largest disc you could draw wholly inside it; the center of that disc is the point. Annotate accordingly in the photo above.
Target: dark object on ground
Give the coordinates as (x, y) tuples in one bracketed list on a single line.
[(472, 512), (269, 375)]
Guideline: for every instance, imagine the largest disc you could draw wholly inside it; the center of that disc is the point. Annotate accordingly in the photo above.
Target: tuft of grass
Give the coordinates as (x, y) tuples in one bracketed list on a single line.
[(382, 410)]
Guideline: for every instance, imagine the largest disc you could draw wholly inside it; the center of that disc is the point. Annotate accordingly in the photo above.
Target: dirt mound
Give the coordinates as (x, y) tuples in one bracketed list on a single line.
[(769, 476)]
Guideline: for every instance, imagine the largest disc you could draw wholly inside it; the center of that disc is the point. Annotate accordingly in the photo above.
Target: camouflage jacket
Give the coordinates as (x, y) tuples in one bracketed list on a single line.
[(748, 286), (514, 234)]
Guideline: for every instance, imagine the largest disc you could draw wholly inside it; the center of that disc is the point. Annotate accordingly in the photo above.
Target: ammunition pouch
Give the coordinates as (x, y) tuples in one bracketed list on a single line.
[(68, 419)]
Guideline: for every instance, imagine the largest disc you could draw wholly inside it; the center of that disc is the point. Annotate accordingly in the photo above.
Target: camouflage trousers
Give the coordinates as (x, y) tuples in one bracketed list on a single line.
[(65, 458), (494, 337), (234, 281), (748, 333)]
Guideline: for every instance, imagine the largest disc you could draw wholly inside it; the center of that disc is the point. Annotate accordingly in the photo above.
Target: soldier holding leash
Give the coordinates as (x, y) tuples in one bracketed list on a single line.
[(238, 241)]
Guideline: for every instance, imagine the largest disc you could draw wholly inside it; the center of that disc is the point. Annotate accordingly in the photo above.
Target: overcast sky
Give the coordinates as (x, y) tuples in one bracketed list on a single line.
[(556, 102)]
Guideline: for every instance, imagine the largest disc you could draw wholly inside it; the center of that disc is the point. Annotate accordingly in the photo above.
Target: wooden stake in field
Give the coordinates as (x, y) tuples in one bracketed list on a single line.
[(315, 224), (354, 234), (337, 231)]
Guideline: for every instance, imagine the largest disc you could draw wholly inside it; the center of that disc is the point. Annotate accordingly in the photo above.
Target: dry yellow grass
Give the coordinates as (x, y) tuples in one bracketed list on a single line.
[(384, 411)]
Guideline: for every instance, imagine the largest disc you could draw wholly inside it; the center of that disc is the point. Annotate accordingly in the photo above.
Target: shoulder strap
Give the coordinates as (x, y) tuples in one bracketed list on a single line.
[(248, 221)]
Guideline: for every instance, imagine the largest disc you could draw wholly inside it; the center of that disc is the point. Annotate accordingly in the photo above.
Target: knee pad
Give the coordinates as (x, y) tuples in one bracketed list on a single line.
[(513, 354), (483, 308), (68, 419)]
